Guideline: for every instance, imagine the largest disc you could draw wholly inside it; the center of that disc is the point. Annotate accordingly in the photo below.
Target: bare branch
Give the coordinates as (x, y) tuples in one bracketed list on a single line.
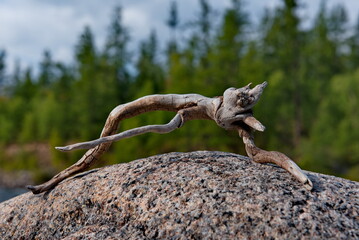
[(232, 111), (176, 122), (280, 159)]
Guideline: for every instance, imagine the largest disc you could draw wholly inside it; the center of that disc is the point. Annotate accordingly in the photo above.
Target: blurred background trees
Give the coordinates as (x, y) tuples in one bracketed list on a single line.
[(309, 107)]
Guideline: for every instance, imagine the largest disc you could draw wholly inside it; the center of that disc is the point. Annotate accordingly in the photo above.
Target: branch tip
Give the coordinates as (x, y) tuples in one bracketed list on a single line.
[(62, 149), (308, 184), (254, 123)]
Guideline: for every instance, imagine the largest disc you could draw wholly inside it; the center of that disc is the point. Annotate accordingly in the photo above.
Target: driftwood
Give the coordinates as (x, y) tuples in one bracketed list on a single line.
[(233, 111)]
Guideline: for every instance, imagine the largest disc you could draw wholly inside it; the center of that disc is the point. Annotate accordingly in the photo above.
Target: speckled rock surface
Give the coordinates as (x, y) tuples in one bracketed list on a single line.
[(197, 195)]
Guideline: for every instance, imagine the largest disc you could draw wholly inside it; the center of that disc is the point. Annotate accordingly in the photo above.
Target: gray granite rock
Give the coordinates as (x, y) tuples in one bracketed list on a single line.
[(197, 195)]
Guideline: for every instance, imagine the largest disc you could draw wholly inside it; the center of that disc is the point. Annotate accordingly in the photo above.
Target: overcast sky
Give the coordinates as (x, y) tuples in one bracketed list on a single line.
[(27, 27)]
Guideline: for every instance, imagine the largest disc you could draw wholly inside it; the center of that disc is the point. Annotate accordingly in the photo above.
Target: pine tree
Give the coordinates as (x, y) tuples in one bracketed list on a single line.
[(353, 43), (282, 47), (324, 51), (85, 89), (27, 87), (15, 79), (118, 57), (332, 147), (337, 24), (229, 47), (149, 69), (173, 21), (2, 71), (64, 97), (47, 68), (204, 23), (85, 50)]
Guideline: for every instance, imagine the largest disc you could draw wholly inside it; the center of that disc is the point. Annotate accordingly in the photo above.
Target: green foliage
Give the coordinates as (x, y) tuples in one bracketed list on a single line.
[(309, 107), (57, 157), (150, 71), (332, 144)]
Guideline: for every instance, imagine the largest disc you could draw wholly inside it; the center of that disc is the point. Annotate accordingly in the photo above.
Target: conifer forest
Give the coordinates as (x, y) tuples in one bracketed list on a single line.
[(309, 108)]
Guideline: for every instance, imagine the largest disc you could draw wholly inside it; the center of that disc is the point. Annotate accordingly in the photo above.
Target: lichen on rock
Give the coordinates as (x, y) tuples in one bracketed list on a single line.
[(196, 195)]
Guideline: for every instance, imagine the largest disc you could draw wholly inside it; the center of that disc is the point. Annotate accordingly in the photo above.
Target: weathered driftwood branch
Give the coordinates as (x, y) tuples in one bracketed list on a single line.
[(232, 112)]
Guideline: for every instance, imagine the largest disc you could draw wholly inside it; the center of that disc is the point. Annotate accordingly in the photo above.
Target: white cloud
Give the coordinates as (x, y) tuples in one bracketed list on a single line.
[(30, 26), (138, 20)]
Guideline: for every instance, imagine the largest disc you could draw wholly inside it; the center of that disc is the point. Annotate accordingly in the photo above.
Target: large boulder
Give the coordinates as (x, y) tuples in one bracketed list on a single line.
[(197, 195)]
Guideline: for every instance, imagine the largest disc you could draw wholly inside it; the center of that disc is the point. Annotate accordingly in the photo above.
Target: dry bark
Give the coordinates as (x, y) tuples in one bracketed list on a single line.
[(231, 112)]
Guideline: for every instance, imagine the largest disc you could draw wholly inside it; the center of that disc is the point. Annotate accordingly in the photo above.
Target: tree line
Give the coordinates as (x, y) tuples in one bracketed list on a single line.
[(309, 107)]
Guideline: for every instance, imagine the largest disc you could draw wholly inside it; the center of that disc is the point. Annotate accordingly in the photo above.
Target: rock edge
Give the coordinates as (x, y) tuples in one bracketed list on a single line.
[(196, 195)]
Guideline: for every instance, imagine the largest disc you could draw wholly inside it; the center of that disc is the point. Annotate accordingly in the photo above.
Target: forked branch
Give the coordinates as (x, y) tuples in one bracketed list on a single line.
[(233, 111)]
